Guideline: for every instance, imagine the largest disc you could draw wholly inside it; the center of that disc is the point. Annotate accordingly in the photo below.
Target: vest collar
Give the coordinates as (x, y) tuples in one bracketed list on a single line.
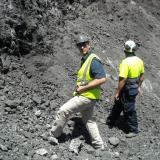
[(83, 59)]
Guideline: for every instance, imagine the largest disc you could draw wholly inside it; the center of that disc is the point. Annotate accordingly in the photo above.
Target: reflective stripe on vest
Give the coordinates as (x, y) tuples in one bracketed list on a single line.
[(83, 78)]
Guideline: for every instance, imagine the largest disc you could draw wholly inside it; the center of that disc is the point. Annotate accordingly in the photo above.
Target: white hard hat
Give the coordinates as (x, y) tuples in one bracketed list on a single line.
[(130, 46)]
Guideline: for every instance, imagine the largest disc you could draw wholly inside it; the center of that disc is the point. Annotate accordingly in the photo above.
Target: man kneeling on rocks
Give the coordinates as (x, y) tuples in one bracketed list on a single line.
[(89, 78)]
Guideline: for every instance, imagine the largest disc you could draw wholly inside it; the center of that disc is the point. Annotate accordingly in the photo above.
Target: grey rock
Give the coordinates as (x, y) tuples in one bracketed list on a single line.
[(48, 126), (45, 105), (75, 145), (53, 141), (54, 157), (102, 120), (106, 155), (108, 35), (39, 157), (42, 152), (89, 149), (2, 82), (37, 99), (98, 153), (3, 148), (1, 158), (45, 136), (116, 154), (12, 103), (114, 141), (2, 98), (110, 18), (28, 74), (71, 123), (38, 113)]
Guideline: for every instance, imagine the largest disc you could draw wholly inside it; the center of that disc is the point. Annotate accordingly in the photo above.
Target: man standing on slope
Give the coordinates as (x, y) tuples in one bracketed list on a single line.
[(89, 78), (131, 77)]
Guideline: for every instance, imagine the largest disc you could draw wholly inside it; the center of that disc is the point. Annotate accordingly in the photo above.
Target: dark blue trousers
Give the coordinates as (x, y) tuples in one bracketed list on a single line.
[(125, 104)]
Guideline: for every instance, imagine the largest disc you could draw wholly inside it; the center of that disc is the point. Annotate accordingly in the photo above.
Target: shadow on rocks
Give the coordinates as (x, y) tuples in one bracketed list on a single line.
[(120, 124), (79, 131)]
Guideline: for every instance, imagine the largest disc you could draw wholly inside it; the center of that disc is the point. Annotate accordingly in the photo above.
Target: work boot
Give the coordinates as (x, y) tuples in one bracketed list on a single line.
[(110, 123), (99, 147), (131, 134)]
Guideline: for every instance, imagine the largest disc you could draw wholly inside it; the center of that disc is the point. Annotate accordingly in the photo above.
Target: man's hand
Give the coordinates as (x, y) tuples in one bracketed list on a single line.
[(92, 84), (80, 89), (140, 92), (116, 97), (121, 84)]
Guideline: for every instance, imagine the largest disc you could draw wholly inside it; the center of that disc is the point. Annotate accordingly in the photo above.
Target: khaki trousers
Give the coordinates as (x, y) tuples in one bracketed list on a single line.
[(85, 106)]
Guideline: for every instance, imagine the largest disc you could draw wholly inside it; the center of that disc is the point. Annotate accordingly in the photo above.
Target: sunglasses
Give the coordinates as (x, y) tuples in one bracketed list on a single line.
[(80, 45)]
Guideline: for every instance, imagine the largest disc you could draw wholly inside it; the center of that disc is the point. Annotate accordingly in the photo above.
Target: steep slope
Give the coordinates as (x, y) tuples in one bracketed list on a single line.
[(38, 69)]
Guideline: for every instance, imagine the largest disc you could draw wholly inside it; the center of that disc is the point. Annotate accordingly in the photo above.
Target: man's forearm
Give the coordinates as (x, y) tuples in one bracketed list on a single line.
[(95, 83), (141, 80), (92, 84), (121, 84)]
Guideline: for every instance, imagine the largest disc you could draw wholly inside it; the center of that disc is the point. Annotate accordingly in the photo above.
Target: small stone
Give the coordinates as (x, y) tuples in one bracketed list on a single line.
[(116, 154), (48, 126), (37, 100), (28, 74), (110, 18), (53, 157), (114, 141), (3, 148), (53, 141), (106, 155), (1, 158), (12, 103), (2, 98), (38, 113), (42, 152), (75, 145), (102, 120), (45, 136), (108, 35), (6, 90), (89, 150), (71, 123), (45, 105)]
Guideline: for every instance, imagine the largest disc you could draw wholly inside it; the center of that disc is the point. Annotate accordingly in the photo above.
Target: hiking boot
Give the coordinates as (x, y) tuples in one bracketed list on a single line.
[(110, 123), (101, 148), (131, 134)]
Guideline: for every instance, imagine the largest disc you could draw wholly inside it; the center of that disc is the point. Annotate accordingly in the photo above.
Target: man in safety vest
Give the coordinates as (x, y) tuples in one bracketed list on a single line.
[(131, 76), (89, 78)]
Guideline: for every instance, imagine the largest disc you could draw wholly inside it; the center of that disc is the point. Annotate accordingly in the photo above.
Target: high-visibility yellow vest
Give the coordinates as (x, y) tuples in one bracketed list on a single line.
[(83, 78), (131, 67)]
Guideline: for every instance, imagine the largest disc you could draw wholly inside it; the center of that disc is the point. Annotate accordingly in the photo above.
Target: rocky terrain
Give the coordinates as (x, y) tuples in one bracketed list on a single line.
[(38, 65)]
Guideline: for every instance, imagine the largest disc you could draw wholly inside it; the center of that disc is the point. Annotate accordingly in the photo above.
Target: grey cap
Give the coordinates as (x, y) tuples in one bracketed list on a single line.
[(82, 39)]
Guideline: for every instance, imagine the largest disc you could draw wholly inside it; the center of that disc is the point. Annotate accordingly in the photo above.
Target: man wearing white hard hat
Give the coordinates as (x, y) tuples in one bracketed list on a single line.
[(131, 76)]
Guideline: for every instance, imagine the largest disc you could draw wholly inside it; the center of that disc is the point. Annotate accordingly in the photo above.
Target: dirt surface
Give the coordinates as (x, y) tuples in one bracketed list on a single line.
[(39, 61)]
